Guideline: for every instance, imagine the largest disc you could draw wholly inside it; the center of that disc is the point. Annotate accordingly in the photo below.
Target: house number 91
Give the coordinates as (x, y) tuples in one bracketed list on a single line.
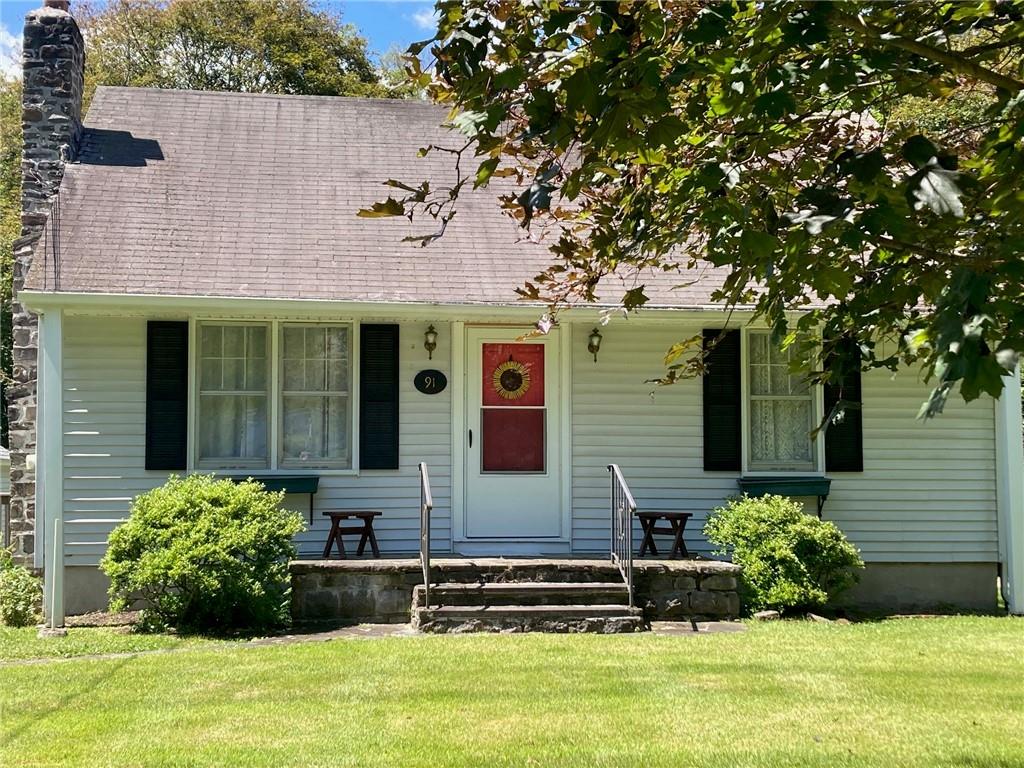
[(430, 382)]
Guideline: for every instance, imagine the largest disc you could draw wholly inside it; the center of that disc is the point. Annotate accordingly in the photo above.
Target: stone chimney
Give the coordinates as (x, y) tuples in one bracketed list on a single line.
[(53, 74)]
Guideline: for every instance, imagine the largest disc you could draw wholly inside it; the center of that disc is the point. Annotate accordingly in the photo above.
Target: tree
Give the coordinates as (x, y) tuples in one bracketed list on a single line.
[(777, 139), (265, 46), (10, 226)]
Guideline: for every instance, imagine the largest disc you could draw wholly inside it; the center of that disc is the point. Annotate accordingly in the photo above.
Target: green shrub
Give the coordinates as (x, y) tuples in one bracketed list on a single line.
[(21, 594), (204, 554), (791, 560)]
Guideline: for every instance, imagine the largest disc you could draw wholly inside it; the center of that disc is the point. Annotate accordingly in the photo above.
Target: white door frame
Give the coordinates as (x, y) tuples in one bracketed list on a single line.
[(459, 384)]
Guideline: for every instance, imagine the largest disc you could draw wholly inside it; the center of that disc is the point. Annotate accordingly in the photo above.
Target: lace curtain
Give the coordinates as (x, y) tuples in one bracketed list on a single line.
[(233, 376), (315, 397), (781, 409)]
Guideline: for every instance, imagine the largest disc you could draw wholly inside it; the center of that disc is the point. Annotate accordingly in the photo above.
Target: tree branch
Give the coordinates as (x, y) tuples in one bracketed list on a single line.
[(947, 58)]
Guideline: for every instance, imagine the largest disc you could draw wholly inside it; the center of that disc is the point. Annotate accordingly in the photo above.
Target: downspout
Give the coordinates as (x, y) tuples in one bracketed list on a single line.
[(1010, 492), (51, 463)]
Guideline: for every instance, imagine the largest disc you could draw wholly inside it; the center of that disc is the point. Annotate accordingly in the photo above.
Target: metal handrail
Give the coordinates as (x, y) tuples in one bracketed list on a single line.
[(426, 506), (623, 509)]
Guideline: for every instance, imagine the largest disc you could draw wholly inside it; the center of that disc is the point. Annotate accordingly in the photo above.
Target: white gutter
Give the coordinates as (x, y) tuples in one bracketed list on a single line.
[(41, 300), (1010, 492)]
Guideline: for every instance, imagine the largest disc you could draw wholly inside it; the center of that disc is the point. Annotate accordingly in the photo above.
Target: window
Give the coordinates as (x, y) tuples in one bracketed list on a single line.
[(780, 409), (315, 412), (234, 372), (257, 412)]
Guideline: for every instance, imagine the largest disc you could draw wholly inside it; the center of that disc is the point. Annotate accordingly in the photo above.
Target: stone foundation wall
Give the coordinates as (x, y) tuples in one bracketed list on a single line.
[(381, 590)]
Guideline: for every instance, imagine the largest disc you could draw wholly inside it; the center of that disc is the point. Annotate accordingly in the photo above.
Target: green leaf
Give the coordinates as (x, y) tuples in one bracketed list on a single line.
[(774, 104), (485, 171), (470, 122), (581, 93), (759, 245), (665, 132), (634, 298), (613, 125), (937, 189), (864, 166), (380, 209), (918, 151)]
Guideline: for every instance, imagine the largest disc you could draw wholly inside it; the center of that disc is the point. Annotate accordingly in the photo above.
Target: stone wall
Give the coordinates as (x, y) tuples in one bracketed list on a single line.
[(53, 72), (344, 591)]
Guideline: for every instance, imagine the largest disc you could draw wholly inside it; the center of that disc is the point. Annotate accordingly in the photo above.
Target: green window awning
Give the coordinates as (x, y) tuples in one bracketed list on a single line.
[(286, 483), (788, 485)]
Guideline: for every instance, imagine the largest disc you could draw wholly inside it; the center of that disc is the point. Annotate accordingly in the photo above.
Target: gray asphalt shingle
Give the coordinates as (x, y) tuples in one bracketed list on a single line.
[(252, 195)]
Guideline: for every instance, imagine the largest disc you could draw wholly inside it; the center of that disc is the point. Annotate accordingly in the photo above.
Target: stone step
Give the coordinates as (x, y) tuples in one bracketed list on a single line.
[(524, 593), (597, 618)]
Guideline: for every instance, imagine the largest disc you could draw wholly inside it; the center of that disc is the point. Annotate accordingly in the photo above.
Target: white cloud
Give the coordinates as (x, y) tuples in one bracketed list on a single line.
[(425, 18), (10, 53)]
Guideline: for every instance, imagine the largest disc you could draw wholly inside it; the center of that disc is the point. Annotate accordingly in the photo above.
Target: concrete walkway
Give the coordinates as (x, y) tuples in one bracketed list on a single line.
[(358, 632)]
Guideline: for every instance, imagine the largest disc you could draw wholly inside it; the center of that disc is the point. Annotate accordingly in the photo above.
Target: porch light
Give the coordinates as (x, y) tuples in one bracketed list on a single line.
[(594, 343), (430, 342)]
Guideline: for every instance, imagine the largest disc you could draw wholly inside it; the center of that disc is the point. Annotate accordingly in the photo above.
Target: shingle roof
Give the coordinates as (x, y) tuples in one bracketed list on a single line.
[(251, 195)]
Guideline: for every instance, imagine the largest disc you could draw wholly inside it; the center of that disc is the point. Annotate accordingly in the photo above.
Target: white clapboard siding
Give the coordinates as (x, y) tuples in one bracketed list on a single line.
[(104, 445), (927, 492)]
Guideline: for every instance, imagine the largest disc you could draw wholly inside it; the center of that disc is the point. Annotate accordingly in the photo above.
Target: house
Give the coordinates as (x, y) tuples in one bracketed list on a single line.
[(207, 300)]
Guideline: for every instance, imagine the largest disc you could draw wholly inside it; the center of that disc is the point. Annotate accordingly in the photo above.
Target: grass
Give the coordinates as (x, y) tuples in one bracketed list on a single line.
[(23, 643), (925, 692)]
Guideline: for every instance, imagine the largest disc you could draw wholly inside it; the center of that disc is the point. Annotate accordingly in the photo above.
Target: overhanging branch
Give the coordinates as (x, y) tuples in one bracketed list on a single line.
[(952, 60)]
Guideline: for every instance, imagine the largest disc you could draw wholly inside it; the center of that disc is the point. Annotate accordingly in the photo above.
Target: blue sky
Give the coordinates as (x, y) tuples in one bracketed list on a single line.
[(384, 23)]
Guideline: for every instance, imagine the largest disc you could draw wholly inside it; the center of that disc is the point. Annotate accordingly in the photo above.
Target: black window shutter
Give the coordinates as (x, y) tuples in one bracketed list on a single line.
[(722, 404), (844, 439), (166, 395), (378, 396)]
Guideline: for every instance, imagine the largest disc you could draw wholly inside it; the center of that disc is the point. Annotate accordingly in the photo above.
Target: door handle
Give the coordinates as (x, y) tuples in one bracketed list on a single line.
[(471, 438)]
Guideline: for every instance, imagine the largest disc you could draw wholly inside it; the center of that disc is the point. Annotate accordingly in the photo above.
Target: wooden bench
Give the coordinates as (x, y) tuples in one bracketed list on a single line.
[(364, 528), (676, 526)]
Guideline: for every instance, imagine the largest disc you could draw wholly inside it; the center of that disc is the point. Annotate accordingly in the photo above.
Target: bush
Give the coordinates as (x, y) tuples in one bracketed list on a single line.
[(204, 554), (790, 559), (21, 594)]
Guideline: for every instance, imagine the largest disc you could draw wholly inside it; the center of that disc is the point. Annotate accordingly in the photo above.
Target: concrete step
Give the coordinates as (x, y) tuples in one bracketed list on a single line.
[(599, 618), (524, 593)]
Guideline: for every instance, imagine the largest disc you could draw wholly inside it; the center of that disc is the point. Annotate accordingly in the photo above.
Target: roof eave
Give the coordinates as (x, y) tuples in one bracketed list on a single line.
[(41, 301)]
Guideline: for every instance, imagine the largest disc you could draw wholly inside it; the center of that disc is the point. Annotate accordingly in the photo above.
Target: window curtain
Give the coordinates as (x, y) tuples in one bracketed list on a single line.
[(781, 408), (233, 393), (315, 375)]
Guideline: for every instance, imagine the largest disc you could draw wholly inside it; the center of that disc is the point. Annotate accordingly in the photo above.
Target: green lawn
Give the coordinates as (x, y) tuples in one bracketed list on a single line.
[(943, 692), (24, 643)]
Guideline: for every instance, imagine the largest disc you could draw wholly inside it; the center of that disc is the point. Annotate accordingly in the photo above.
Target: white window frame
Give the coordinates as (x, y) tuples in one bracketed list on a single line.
[(224, 462), (274, 437), (294, 464), (817, 408)]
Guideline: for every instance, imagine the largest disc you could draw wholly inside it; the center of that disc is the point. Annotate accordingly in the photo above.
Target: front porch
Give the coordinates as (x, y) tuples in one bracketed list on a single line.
[(371, 590)]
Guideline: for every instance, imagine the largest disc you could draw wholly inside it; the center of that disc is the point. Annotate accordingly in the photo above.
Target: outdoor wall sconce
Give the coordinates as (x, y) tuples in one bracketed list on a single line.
[(430, 342), (594, 343)]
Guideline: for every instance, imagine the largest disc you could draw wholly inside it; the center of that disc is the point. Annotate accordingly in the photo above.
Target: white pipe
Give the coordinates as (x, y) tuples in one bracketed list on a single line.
[(57, 577)]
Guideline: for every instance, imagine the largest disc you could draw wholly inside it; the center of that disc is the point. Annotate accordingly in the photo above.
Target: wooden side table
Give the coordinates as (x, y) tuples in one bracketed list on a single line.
[(364, 528), (676, 526)]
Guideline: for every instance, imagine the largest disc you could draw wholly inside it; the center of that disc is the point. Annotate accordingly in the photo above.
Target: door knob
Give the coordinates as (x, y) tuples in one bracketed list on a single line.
[(471, 438)]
